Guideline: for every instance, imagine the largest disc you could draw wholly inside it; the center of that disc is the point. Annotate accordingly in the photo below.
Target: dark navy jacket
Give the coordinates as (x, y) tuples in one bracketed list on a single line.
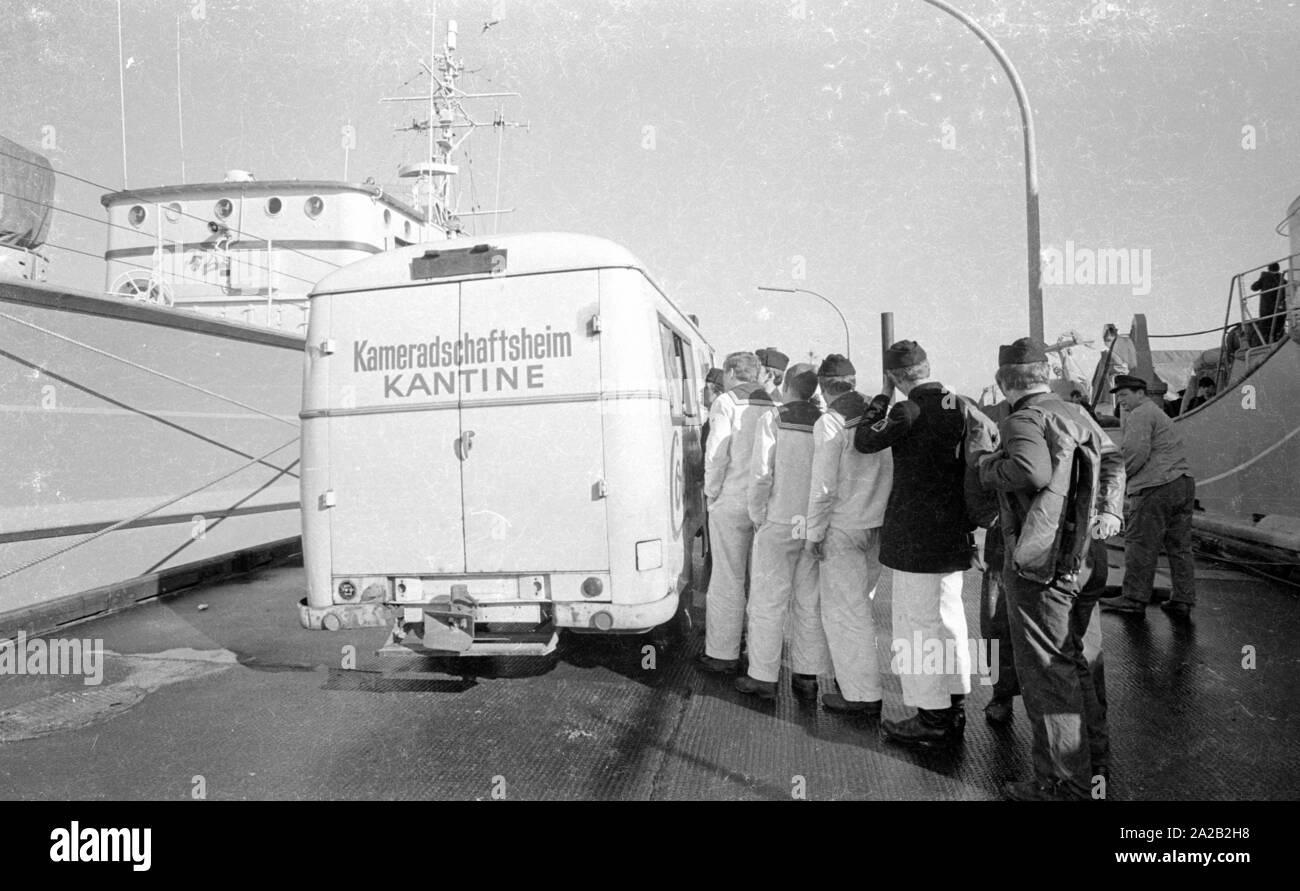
[(926, 529)]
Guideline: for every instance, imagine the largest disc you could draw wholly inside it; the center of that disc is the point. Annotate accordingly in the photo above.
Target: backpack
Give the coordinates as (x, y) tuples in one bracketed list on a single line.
[(1053, 543)]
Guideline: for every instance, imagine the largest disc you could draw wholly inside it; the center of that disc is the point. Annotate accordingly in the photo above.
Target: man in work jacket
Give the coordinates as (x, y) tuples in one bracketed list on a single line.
[(927, 541), (1161, 498), (784, 578), (1056, 629), (733, 425), (846, 507)]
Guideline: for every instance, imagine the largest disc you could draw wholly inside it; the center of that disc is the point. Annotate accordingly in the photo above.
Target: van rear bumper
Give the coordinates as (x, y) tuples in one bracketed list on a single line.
[(627, 618)]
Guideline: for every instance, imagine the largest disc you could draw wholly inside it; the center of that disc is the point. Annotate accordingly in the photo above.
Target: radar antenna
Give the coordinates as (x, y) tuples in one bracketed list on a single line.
[(447, 114)]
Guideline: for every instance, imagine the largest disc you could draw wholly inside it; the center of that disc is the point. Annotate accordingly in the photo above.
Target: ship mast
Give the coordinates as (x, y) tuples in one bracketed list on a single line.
[(446, 114)]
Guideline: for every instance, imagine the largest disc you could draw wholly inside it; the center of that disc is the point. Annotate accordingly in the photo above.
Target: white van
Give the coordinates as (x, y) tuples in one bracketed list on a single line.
[(500, 439)]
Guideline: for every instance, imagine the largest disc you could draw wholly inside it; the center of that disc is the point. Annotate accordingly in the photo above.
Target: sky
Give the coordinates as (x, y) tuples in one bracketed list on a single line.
[(869, 151)]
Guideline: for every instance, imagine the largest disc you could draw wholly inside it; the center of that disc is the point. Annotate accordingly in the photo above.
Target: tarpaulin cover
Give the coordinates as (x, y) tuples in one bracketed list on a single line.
[(1175, 367), (26, 196)]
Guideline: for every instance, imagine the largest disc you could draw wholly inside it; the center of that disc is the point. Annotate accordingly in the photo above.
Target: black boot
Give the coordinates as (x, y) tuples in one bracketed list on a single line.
[(1000, 710), (761, 689), (804, 687), (928, 728), (957, 714)]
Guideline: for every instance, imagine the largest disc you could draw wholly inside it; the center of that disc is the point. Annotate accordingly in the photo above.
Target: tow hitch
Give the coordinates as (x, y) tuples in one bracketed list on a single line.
[(460, 625)]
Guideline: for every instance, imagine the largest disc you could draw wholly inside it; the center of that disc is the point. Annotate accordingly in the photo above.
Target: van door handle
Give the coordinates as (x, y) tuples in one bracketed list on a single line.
[(463, 444)]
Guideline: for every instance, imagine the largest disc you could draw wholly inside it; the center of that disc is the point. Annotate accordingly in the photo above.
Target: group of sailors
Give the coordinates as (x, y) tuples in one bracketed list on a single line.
[(808, 506)]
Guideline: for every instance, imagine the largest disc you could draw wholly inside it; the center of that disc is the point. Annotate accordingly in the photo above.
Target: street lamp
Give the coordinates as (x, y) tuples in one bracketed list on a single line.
[(826, 300), (1031, 166)]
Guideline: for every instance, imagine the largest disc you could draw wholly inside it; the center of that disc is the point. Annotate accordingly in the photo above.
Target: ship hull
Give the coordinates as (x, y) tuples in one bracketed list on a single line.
[(1244, 451), (140, 443)]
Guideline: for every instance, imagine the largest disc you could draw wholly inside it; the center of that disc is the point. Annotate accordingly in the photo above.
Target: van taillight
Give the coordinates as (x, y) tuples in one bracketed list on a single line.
[(347, 590), (592, 587)]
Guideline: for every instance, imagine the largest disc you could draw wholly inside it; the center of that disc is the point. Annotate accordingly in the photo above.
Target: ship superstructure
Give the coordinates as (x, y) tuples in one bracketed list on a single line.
[(249, 250)]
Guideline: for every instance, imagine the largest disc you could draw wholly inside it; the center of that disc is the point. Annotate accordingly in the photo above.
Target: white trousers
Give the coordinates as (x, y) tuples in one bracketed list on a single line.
[(731, 536), (783, 596), (931, 650), (848, 578)]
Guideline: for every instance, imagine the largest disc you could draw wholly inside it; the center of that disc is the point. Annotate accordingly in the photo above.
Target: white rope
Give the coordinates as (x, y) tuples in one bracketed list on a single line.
[(148, 370)]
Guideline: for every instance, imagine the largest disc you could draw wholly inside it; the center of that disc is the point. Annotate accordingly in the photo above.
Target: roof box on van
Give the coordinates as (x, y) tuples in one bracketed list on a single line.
[(528, 255)]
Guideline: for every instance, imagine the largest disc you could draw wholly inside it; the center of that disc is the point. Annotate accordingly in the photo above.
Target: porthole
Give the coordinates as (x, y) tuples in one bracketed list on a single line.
[(313, 206), (173, 211), (388, 217), (273, 206), (407, 228), (136, 215), (223, 209)]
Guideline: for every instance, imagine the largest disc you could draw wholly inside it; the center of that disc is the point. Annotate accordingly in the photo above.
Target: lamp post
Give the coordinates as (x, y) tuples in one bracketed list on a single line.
[(1031, 166), (825, 300)]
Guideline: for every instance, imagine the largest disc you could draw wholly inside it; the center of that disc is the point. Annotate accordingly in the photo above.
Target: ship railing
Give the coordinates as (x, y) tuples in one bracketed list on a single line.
[(1249, 340)]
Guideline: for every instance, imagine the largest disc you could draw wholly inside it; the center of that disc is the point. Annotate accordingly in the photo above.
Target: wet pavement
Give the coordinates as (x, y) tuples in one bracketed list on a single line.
[(219, 689)]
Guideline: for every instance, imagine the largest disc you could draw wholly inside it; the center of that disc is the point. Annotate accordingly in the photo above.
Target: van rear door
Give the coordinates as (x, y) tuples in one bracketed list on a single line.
[(394, 433), (533, 471)]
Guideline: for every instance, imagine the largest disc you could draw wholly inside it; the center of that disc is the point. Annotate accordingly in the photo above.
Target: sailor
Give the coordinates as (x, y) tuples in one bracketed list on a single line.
[(1046, 444), (774, 363), (712, 389), (846, 507), (1161, 497), (733, 426), (784, 577), (927, 541)]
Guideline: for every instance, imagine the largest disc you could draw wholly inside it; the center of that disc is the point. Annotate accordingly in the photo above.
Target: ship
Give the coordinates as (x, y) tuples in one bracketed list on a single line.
[(151, 430), (1243, 442), (1236, 405)]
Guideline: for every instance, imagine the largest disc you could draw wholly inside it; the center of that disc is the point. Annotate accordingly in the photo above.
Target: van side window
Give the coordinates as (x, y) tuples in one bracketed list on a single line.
[(690, 383), (677, 374)]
